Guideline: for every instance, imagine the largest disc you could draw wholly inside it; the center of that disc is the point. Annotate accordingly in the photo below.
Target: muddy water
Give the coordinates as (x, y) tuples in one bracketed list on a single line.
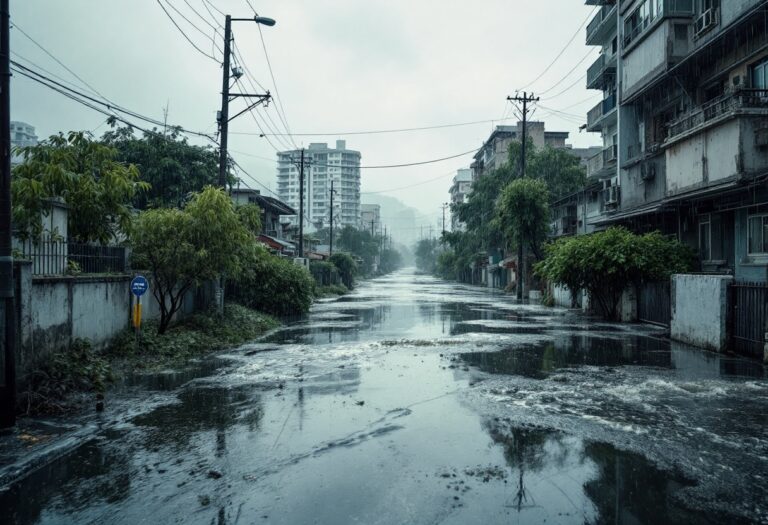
[(418, 401)]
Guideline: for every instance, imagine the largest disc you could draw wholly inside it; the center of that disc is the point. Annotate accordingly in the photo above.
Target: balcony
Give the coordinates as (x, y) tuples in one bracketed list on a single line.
[(602, 25), (742, 102), (600, 2), (603, 165), (602, 72), (602, 114)]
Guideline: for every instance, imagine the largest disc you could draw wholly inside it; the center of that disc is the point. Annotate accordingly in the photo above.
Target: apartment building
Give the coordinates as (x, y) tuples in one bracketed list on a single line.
[(494, 151), (22, 135), (692, 141), (321, 166), (462, 185)]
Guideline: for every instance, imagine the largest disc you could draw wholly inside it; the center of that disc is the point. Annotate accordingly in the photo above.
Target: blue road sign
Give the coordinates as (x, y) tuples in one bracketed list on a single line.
[(139, 285)]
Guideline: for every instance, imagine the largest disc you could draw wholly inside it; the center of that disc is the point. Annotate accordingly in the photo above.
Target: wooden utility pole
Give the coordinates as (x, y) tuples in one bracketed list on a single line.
[(8, 314), (524, 100), (331, 218), (301, 204), (444, 206), (226, 97)]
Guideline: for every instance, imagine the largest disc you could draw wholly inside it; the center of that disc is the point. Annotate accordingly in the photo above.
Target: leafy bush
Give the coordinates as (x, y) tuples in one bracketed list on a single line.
[(347, 268), (195, 336), (53, 386), (333, 289), (273, 285), (607, 263)]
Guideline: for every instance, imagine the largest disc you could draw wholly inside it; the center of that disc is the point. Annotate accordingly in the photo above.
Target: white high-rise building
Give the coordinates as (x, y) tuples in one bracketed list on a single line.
[(22, 135), (321, 166)]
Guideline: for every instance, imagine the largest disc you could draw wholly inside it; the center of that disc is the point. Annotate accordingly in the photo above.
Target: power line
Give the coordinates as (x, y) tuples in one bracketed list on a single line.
[(281, 114), (589, 53), (201, 17), (568, 88), (409, 186), (562, 50), (62, 64), (401, 130), (184, 34), (94, 103)]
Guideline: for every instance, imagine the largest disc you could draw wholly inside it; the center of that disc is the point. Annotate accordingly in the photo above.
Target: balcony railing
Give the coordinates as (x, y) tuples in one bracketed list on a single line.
[(601, 66), (595, 165), (603, 108), (610, 154), (596, 23), (719, 107)]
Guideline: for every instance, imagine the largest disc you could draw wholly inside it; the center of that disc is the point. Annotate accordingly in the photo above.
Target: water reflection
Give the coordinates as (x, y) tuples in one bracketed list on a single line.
[(602, 483), (95, 472)]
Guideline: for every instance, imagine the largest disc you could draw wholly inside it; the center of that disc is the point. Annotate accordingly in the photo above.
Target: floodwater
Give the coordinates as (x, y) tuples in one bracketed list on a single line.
[(417, 401)]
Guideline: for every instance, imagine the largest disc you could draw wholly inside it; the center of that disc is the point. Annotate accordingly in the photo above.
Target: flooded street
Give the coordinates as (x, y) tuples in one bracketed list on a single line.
[(413, 400)]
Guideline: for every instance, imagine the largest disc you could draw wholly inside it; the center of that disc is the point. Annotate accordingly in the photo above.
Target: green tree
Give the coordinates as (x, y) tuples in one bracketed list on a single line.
[(389, 260), (346, 266), (560, 170), (606, 263), (174, 168), (362, 244), (86, 175), (272, 284), (183, 248), (426, 255), (523, 212)]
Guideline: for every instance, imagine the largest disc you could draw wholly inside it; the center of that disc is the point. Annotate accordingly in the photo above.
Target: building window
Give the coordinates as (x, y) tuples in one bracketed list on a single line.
[(705, 238), (758, 235), (760, 75)]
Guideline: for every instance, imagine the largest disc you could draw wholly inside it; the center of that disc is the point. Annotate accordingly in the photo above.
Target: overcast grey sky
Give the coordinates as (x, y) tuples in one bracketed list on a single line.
[(340, 65)]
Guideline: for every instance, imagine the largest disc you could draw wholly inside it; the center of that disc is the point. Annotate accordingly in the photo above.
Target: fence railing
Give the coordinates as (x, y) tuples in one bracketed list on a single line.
[(324, 276), (748, 309), (654, 303), (59, 257), (742, 99)]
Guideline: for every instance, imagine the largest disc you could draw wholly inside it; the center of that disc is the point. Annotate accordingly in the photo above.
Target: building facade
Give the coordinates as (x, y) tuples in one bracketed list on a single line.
[(321, 166), (462, 185), (22, 135), (494, 151), (692, 141)]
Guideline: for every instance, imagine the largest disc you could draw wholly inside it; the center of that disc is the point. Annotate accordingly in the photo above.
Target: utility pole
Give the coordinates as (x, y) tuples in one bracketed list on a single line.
[(8, 316), (524, 100), (444, 206), (332, 192), (301, 204), (226, 97)]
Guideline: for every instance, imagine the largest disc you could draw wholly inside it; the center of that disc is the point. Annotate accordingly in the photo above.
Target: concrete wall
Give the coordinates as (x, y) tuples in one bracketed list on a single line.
[(53, 311), (646, 61), (699, 310), (747, 268)]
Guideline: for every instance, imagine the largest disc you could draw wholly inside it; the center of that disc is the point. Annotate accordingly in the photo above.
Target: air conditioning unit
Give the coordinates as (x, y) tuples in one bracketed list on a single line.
[(705, 22), (648, 171), (611, 197)]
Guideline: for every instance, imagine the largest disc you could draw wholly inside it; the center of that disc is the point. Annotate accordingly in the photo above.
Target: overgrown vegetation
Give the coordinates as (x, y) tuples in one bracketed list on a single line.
[(346, 266), (85, 174), (183, 248), (606, 263), (195, 336), (272, 284), (330, 290), (67, 380), (504, 208)]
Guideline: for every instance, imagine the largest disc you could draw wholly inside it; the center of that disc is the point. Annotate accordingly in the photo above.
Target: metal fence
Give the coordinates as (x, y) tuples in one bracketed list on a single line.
[(747, 309), (654, 304), (59, 257), (325, 275)]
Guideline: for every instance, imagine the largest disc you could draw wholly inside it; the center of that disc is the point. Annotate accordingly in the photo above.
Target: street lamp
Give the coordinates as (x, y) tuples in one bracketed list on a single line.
[(225, 95)]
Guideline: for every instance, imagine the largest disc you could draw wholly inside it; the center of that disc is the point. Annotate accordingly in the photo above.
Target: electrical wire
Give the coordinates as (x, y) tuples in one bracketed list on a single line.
[(568, 88), (589, 53), (186, 37), (564, 48), (384, 131), (109, 109)]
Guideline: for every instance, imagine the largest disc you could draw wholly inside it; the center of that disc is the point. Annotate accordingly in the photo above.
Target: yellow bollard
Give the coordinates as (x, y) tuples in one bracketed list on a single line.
[(137, 315)]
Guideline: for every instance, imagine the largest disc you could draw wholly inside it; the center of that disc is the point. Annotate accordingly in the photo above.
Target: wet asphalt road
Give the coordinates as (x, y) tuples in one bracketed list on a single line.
[(418, 401)]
